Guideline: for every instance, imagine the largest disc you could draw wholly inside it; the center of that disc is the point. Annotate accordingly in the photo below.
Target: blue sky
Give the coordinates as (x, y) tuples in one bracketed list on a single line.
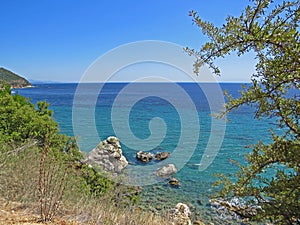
[(59, 39)]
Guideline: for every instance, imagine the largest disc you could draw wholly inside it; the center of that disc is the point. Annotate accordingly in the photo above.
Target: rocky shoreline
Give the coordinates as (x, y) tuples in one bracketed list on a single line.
[(109, 156)]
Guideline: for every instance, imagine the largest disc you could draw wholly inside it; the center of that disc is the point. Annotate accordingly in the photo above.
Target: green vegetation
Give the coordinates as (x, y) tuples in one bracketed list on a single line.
[(13, 79), (40, 165), (270, 30)]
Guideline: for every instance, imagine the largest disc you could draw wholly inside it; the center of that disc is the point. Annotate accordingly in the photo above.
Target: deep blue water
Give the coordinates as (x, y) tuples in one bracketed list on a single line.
[(156, 100)]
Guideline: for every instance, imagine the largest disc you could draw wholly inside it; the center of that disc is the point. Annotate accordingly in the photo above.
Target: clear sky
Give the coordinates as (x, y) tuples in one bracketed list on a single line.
[(58, 39)]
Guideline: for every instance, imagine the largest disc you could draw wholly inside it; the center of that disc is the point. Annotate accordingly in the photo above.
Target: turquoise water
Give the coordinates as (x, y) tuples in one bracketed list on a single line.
[(241, 131)]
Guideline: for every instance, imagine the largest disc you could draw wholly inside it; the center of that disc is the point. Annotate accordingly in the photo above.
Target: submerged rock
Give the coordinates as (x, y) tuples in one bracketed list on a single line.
[(166, 171), (108, 155), (174, 182), (144, 156), (234, 209), (180, 215), (199, 201), (162, 155), (198, 222)]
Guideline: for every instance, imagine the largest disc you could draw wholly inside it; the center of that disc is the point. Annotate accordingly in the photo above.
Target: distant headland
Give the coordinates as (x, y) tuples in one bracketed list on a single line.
[(12, 79)]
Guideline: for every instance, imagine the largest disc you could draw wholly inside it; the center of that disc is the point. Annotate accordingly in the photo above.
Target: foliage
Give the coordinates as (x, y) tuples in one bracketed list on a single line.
[(94, 181), (270, 30), (20, 121), (37, 163), (100, 183)]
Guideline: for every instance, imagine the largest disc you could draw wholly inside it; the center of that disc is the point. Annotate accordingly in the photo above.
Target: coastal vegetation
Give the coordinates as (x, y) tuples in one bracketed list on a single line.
[(43, 170), (271, 179), (12, 79)]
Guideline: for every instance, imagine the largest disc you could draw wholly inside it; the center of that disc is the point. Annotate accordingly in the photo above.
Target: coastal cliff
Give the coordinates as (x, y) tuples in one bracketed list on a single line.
[(12, 79)]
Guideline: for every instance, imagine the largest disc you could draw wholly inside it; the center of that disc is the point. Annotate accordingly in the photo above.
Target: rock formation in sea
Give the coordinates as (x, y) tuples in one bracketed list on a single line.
[(174, 182), (162, 155), (144, 156), (166, 171), (108, 155)]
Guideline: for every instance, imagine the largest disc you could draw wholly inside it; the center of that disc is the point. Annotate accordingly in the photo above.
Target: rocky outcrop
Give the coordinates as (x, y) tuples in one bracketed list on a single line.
[(180, 215), (144, 156), (166, 171), (162, 155), (174, 182), (108, 155)]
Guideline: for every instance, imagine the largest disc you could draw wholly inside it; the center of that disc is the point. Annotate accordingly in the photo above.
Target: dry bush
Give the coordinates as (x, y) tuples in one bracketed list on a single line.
[(53, 176)]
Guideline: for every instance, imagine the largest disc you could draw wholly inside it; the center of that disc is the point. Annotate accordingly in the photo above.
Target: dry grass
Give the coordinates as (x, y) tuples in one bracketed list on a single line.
[(19, 199), (102, 211), (20, 213), (89, 213), (19, 175)]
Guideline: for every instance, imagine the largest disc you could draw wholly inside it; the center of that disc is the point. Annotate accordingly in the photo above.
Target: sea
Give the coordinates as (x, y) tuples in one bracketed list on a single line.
[(180, 118)]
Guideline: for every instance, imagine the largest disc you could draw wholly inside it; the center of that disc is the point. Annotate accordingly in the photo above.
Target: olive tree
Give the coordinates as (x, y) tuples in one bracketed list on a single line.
[(270, 29)]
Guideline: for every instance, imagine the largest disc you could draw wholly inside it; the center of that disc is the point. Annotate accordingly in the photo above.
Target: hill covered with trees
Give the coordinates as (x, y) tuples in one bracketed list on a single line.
[(12, 79)]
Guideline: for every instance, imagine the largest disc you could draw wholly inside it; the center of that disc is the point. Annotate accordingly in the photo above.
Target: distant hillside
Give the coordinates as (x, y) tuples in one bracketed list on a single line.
[(12, 79)]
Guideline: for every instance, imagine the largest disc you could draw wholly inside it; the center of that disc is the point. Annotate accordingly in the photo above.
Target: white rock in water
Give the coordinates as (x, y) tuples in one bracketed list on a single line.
[(166, 171), (108, 155), (144, 156)]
